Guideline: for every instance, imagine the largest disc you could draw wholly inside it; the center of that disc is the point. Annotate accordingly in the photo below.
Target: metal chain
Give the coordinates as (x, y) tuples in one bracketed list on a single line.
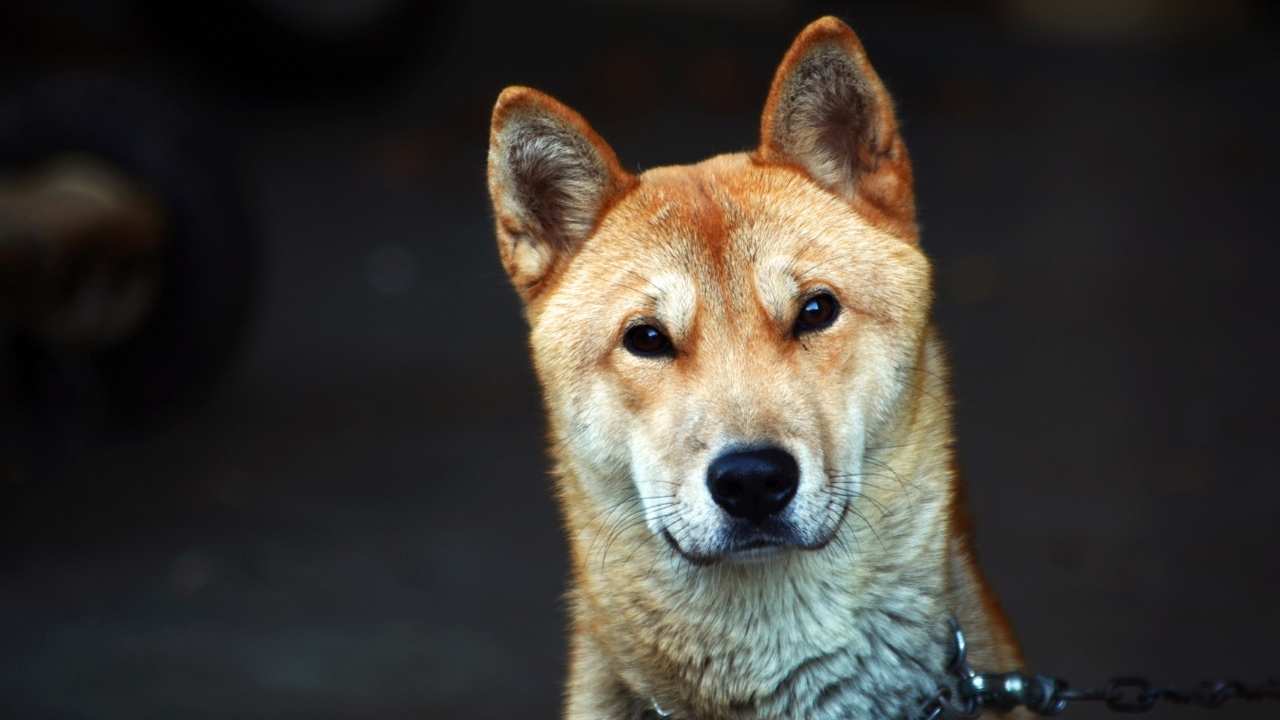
[(1045, 695), (973, 692)]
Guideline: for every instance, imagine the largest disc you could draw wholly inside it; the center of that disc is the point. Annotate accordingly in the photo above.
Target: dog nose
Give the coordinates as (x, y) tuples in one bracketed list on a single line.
[(753, 484)]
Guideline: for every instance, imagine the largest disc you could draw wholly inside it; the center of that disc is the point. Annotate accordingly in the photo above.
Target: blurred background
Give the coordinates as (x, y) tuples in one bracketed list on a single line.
[(269, 441)]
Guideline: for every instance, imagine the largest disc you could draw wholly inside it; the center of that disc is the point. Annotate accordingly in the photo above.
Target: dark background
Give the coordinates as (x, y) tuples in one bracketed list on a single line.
[(355, 521)]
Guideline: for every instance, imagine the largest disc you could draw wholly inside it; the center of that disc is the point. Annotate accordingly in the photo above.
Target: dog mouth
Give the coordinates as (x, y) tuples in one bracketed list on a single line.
[(754, 551), (748, 544)]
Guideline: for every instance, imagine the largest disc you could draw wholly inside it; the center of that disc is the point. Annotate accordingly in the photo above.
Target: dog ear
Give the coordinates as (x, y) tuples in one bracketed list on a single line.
[(550, 178), (829, 115)]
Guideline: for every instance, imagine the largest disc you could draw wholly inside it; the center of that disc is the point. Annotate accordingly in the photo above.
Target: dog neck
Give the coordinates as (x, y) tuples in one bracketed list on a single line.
[(796, 638)]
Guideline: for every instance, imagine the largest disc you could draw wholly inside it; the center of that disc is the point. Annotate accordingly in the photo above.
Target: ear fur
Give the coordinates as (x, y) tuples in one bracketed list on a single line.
[(550, 179), (829, 114)]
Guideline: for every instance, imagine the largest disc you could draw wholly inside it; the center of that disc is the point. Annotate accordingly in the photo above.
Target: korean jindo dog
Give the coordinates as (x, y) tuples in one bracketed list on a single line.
[(748, 408)]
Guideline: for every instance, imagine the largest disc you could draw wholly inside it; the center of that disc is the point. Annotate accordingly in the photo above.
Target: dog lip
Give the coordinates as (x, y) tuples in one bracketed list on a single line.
[(830, 536), (699, 560), (755, 548), (743, 536), (757, 545)]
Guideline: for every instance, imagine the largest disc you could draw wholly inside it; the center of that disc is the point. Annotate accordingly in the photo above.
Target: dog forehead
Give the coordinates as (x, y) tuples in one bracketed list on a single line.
[(739, 234), (716, 218)]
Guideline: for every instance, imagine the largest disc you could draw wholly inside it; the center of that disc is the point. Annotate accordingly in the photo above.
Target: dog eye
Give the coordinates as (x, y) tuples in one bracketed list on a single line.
[(817, 313), (647, 341)]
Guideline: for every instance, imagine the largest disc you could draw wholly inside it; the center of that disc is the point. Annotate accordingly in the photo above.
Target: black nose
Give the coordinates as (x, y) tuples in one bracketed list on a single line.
[(753, 484)]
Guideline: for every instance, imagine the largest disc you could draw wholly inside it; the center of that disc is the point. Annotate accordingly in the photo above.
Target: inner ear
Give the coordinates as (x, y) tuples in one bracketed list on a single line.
[(824, 118), (550, 178), (829, 114), (555, 177)]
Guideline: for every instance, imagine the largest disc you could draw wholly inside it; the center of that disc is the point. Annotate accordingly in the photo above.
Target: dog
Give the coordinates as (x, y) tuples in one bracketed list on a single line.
[(748, 408)]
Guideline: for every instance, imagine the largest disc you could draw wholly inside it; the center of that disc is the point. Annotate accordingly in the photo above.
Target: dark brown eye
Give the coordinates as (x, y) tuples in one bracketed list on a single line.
[(817, 313), (647, 341)]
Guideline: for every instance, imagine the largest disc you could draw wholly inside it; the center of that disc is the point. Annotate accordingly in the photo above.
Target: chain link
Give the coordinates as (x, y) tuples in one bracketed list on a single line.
[(970, 693), (974, 692)]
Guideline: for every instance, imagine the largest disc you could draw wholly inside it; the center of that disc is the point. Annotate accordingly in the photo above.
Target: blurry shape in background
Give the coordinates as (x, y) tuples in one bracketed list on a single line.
[(332, 17), (298, 47), (79, 244), (1124, 20), (127, 252), (728, 8)]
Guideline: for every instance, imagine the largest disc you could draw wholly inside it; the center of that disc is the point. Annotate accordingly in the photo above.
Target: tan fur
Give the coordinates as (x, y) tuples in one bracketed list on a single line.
[(852, 621)]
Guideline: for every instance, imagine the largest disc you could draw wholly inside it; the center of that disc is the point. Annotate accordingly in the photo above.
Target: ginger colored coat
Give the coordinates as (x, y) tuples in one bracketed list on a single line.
[(848, 620)]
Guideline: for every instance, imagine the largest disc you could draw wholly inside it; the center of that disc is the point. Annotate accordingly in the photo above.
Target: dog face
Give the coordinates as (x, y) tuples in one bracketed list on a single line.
[(720, 344)]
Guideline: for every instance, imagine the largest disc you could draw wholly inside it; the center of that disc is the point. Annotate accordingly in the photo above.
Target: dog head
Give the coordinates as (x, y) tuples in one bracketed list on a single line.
[(721, 344)]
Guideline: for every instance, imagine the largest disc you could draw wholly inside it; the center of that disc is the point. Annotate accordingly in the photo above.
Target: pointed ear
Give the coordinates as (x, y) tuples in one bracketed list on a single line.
[(829, 115), (550, 179)]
